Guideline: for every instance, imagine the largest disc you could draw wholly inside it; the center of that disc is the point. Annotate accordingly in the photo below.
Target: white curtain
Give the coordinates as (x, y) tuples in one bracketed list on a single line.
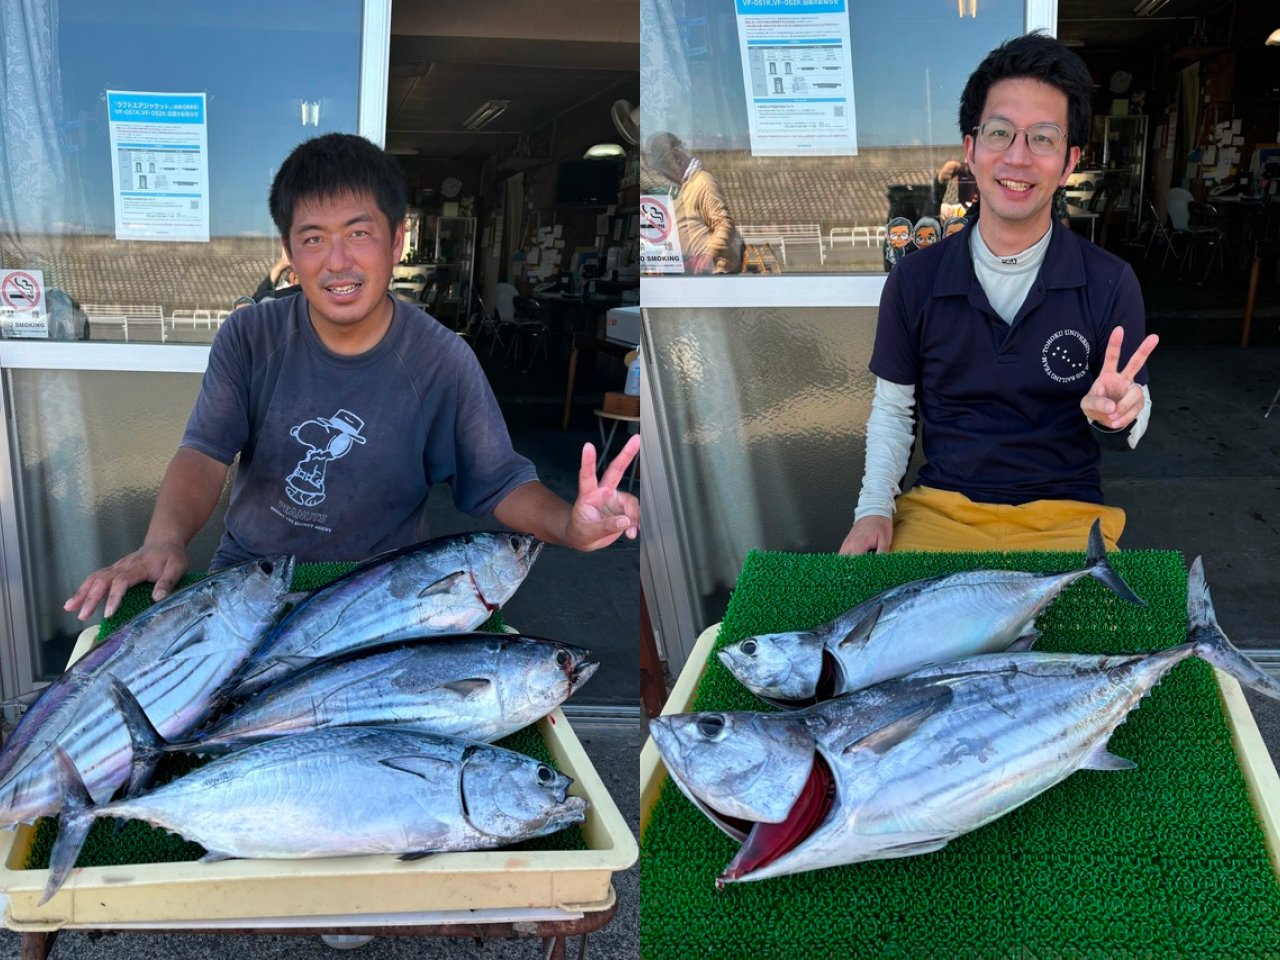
[(32, 175)]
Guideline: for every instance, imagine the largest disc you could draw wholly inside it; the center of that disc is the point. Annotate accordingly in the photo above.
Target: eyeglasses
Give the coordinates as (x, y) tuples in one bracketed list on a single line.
[(1042, 138)]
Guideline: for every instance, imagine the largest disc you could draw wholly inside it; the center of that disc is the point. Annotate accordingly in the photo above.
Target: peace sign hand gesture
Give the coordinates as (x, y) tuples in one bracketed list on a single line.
[(1114, 400), (601, 513)]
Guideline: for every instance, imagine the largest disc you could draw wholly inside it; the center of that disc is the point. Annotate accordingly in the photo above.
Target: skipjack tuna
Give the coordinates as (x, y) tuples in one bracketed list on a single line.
[(446, 585), (172, 658), (903, 767), (340, 792), (908, 627), (482, 686)]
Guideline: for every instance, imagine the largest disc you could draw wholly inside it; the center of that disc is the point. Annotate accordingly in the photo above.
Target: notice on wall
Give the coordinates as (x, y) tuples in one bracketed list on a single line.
[(23, 310), (159, 165), (798, 73), (659, 239)]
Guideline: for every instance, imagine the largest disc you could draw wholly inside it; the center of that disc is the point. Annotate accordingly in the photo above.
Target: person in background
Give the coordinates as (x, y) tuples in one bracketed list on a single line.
[(344, 409), (1017, 345), (709, 238), (280, 281)]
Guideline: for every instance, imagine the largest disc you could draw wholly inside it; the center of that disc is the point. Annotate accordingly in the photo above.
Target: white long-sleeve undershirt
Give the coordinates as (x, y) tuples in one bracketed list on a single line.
[(890, 432)]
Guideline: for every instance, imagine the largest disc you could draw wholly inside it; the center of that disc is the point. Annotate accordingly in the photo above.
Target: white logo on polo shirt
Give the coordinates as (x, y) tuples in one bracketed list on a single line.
[(1065, 356)]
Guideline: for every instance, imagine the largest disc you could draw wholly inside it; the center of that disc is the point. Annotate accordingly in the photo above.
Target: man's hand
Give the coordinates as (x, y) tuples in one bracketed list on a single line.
[(1115, 400), (868, 535), (601, 513), (160, 563)]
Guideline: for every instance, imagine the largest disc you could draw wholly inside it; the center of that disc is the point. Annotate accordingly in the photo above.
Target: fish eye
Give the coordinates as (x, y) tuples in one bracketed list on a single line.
[(545, 774), (563, 658), (749, 647), (711, 725), (267, 567), (515, 542)]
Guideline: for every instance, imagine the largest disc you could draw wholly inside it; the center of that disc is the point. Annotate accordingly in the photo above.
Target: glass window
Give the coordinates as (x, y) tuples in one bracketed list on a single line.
[(798, 136), (138, 147)]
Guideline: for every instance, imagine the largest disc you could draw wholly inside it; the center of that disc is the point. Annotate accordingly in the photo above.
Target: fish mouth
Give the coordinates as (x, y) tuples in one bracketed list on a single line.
[(581, 673), (572, 810), (766, 842)]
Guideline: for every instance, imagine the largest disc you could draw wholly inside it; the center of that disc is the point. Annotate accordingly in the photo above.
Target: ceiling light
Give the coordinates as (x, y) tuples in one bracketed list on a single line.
[(1274, 39), (599, 150), (403, 151), (487, 112), (1148, 8)]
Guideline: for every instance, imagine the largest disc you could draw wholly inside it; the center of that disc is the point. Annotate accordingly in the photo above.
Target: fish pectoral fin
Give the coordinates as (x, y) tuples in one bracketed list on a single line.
[(884, 739), (470, 687), (188, 643), (415, 855), (1025, 642), (911, 848), (429, 769), (1102, 759), (213, 856), (861, 633), (446, 584)]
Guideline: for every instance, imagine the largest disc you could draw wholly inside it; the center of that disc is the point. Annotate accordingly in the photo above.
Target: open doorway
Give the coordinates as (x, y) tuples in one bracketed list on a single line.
[(514, 124)]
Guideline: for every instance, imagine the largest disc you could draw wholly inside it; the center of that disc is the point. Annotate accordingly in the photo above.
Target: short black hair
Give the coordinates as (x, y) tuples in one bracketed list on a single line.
[(1039, 57), (332, 166)]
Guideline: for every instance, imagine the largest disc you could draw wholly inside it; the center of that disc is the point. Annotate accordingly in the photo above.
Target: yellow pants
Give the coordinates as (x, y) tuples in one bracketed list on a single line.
[(929, 519)]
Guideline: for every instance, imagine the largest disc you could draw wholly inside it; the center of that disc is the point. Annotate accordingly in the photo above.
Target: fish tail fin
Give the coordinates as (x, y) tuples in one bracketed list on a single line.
[(1211, 643), (148, 746), (1100, 568), (73, 824)]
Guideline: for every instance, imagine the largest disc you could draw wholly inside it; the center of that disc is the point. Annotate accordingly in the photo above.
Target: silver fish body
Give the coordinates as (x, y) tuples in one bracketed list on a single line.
[(173, 658), (341, 792), (481, 686), (446, 585), (908, 627), (901, 768)]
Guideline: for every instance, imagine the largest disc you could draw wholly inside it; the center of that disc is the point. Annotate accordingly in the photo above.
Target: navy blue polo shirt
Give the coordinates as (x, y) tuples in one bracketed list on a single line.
[(999, 404)]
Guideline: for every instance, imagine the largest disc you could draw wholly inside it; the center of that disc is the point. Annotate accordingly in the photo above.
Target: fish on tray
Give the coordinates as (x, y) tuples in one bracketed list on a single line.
[(908, 627), (905, 766), (446, 585), (173, 658), (481, 686), (339, 792)]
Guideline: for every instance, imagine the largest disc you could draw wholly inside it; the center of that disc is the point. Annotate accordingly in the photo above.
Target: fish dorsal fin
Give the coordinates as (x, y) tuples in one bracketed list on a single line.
[(446, 584), (861, 633), (884, 739), (428, 768)]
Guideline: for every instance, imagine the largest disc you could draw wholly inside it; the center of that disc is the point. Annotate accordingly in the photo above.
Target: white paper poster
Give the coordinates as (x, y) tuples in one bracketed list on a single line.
[(798, 73), (659, 239), (23, 310), (159, 165)]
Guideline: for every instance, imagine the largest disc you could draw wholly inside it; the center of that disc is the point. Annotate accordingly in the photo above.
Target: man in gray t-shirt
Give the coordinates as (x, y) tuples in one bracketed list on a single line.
[(345, 407)]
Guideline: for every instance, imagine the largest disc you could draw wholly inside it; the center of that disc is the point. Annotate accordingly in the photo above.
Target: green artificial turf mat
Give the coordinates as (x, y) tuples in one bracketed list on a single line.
[(1167, 860), (140, 843)]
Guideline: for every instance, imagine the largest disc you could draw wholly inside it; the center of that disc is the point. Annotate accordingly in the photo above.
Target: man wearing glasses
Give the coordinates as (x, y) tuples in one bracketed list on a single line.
[(1016, 338)]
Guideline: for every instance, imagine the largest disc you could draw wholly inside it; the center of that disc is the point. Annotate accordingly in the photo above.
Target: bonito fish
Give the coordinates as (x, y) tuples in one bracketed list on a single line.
[(340, 792), (172, 657), (903, 767), (481, 686), (908, 627), (446, 585)]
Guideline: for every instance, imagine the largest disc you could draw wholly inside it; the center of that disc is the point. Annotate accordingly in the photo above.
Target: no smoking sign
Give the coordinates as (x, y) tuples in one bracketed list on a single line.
[(22, 306)]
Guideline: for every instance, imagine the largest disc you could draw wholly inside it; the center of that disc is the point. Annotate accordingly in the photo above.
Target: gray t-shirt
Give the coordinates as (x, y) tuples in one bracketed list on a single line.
[(338, 454)]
